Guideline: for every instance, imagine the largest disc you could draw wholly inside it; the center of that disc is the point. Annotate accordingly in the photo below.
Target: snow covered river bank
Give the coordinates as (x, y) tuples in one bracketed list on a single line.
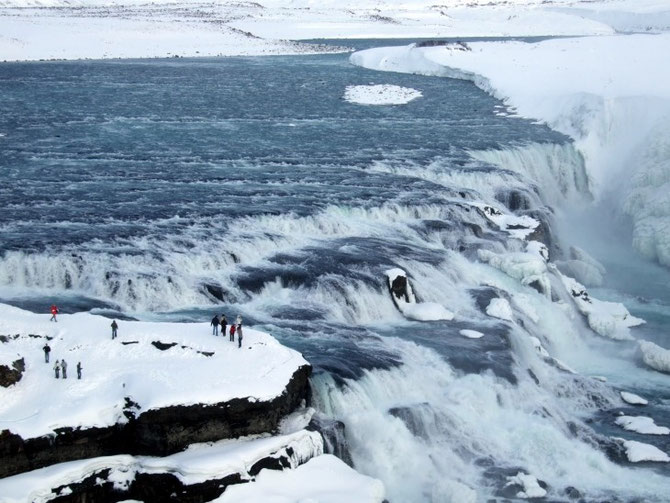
[(169, 191)]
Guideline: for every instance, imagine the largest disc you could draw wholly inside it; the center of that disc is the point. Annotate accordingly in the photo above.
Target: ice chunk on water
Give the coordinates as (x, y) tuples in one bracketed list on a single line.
[(530, 484), (383, 94), (471, 334), (633, 399), (639, 451), (641, 424)]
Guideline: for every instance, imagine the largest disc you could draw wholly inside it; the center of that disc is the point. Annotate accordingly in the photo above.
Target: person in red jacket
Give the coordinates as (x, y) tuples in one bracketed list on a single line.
[(54, 312), (232, 332)]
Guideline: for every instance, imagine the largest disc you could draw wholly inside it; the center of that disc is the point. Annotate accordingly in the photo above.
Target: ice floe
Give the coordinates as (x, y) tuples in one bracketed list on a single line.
[(380, 94), (639, 451), (471, 334), (641, 424), (632, 398)]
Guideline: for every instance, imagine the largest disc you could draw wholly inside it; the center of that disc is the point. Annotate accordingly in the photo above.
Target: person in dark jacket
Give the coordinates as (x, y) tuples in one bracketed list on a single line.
[(47, 350), (78, 370), (115, 328), (63, 365), (57, 369), (224, 324), (215, 325), (232, 332), (239, 335)]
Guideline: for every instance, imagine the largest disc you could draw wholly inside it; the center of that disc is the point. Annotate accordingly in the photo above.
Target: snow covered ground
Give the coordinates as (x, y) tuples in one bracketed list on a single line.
[(381, 94), (64, 29), (199, 368)]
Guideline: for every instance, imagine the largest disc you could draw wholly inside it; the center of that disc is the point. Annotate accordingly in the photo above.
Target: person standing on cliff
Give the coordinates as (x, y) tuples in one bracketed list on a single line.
[(57, 369), (54, 312), (63, 365), (115, 328), (215, 325), (47, 350), (239, 335), (78, 370), (232, 332), (224, 324)]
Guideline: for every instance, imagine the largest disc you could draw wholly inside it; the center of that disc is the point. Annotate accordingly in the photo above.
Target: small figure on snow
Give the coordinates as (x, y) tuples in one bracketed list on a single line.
[(79, 370), (239, 335), (54, 312), (115, 328), (215, 325), (57, 369), (47, 350), (224, 324), (232, 332), (63, 365)]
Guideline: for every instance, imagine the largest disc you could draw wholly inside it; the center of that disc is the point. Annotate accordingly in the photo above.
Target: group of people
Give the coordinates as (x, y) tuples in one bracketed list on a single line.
[(234, 328), (60, 365)]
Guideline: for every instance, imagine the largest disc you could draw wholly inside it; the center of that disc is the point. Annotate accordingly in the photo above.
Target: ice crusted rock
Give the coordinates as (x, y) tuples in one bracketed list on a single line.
[(381, 94), (500, 308), (519, 227), (639, 451), (609, 319), (529, 267), (531, 487), (655, 356), (632, 398), (404, 299), (641, 424)]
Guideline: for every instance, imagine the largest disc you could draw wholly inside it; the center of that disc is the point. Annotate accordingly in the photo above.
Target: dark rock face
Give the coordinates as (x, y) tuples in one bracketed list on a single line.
[(334, 439), (399, 288), (10, 375), (155, 432)]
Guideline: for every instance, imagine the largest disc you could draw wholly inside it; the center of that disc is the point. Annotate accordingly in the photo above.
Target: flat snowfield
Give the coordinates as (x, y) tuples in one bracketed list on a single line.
[(129, 366), (97, 29)]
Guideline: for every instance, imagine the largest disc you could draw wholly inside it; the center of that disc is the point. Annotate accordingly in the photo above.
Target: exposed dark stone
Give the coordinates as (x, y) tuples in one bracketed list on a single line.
[(334, 437), (156, 432), (11, 375), (572, 493), (514, 200), (536, 285), (125, 343), (275, 462), (533, 377), (163, 345), (216, 291), (399, 288)]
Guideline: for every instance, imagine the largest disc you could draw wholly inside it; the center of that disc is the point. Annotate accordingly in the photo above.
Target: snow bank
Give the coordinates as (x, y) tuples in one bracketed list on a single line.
[(381, 94), (193, 367), (197, 464), (609, 319), (519, 227), (325, 479), (641, 424), (471, 334), (530, 484), (632, 398), (500, 308), (655, 356), (638, 452)]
